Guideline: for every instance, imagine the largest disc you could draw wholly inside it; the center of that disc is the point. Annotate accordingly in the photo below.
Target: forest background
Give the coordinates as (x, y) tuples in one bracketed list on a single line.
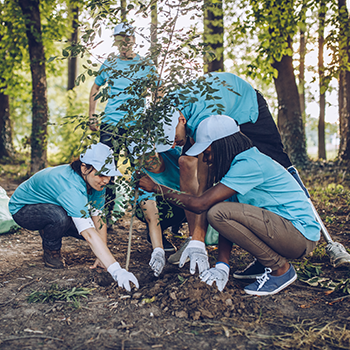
[(286, 49)]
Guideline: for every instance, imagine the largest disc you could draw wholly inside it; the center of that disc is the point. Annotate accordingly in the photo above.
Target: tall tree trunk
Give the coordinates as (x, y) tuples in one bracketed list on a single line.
[(154, 27), (214, 35), (123, 10), (321, 122), (290, 121), (31, 14), (6, 145), (302, 51), (344, 84), (73, 61)]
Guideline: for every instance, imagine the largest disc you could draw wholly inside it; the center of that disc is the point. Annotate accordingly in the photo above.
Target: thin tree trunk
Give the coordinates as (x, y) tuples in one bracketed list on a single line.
[(6, 145), (31, 14), (344, 84), (321, 120), (302, 50), (73, 61), (214, 35), (123, 10), (290, 121), (154, 27)]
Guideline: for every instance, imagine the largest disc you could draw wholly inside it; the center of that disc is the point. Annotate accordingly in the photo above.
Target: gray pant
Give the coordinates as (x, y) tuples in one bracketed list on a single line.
[(267, 236)]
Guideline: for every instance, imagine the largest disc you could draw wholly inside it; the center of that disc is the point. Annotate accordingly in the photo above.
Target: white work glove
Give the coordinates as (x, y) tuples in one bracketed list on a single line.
[(198, 256), (218, 274), (157, 261), (122, 276)]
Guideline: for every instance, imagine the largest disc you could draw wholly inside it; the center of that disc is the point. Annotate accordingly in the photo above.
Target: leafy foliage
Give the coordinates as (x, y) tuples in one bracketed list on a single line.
[(55, 294)]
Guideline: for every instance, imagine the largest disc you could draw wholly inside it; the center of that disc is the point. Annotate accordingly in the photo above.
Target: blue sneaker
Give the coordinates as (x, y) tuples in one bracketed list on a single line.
[(269, 285)]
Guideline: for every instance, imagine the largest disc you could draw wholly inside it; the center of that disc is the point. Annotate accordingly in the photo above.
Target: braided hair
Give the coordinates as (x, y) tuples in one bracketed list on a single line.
[(223, 152)]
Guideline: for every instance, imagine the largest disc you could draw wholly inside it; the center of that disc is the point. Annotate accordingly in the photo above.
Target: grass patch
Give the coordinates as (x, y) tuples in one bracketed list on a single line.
[(55, 294)]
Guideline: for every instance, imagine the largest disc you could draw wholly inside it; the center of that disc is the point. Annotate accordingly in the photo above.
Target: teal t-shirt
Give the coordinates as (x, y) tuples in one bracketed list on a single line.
[(242, 107), (170, 177), (119, 75), (262, 182), (59, 185)]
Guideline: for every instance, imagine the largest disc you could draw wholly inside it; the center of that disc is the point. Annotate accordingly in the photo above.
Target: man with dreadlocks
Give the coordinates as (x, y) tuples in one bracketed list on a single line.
[(236, 99), (253, 202)]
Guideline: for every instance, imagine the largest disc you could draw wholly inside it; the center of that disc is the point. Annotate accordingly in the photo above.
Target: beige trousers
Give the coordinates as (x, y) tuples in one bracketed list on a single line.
[(267, 236)]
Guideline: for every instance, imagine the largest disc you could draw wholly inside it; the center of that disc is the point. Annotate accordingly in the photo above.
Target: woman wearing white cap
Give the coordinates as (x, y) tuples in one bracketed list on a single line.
[(67, 201), (253, 202)]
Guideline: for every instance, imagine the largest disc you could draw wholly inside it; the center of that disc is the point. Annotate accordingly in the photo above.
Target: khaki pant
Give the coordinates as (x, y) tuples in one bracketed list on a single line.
[(267, 236)]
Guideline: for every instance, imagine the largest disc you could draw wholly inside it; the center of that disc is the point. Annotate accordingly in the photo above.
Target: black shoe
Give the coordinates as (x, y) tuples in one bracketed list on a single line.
[(54, 259), (167, 246), (252, 271)]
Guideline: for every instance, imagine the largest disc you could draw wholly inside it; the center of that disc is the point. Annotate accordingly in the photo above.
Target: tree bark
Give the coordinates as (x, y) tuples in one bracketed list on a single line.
[(290, 121), (31, 14), (73, 61), (6, 145), (154, 27), (302, 50), (321, 121), (214, 35), (123, 10), (344, 85)]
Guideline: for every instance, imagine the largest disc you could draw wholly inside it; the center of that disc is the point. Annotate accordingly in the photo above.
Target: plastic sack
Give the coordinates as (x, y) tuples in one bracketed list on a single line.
[(212, 236), (6, 221)]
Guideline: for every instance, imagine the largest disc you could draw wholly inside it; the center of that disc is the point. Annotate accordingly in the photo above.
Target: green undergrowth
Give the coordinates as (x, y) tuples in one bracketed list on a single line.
[(73, 295)]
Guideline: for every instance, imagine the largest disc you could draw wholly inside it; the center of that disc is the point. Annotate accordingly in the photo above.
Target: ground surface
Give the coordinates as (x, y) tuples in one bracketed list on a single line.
[(174, 311)]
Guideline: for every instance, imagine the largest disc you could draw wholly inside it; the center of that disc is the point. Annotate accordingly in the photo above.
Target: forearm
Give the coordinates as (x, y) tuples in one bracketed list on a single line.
[(98, 246), (189, 202), (92, 101), (101, 227)]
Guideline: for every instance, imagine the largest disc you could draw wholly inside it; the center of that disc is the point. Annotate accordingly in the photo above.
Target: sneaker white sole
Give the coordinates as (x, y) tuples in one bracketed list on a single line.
[(256, 292)]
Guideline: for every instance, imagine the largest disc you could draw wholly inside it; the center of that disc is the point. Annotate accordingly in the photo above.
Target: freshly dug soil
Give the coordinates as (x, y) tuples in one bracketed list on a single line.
[(174, 311)]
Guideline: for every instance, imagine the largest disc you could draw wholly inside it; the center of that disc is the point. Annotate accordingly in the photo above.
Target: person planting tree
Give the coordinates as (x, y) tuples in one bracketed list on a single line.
[(67, 200)]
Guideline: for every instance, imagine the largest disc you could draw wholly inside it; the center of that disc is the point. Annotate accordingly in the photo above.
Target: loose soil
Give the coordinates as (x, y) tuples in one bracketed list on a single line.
[(174, 311)]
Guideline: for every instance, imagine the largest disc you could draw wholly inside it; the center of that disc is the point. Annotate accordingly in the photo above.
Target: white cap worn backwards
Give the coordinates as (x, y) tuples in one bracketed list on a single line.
[(100, 156), (214, 128), (123, 29)]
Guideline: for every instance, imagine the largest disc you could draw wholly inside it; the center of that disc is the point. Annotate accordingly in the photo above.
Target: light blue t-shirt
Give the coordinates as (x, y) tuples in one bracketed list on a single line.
[(126, 75), (242, 107), (59, 185), (170, 177), (262, 182)]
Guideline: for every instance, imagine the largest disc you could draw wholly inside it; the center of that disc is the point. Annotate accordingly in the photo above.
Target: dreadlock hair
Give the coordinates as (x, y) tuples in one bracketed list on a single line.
[(223, 152)]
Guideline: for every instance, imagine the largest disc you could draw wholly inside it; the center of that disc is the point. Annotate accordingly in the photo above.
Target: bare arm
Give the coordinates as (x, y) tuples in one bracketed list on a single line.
[(98, 245), (198, 205), (92, 107)]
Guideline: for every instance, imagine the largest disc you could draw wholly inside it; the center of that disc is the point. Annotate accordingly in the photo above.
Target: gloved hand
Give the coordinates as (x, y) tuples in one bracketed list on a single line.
[(218, 274), (122, 276), (198, 256), (157, 261)]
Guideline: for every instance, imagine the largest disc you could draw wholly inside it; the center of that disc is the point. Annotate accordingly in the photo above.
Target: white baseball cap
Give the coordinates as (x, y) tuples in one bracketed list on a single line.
[(100, 156), (169, 129), (211, 129), (123, 29)]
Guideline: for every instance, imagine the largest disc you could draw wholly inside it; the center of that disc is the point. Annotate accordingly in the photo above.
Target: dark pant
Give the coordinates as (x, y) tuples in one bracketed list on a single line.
[(50, 218), (267, 236), (265, 135), (166, 221)]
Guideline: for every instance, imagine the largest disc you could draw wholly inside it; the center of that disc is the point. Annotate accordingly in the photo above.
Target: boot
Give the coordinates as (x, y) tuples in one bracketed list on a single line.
[(54, 259)]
